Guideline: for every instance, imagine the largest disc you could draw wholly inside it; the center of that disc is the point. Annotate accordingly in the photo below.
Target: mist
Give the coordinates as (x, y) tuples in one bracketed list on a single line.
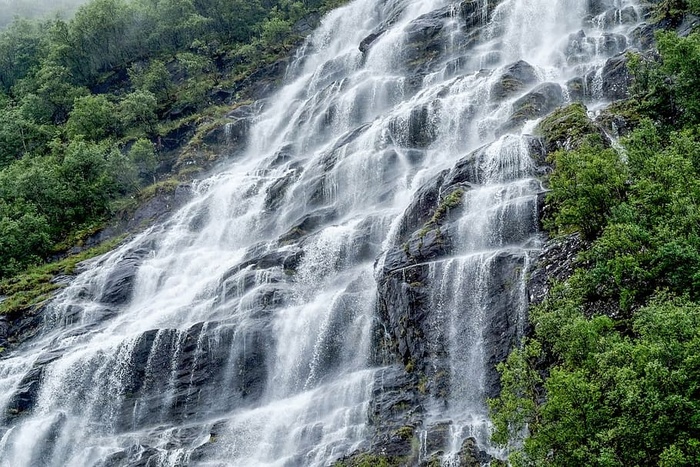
[(36, 9)]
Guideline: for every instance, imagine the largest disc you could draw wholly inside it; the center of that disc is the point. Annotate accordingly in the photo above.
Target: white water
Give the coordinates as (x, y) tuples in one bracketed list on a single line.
[(218, 361)]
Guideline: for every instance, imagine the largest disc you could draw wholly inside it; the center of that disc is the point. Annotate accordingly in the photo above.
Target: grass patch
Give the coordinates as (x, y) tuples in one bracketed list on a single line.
[(160, 188), (37, 284)]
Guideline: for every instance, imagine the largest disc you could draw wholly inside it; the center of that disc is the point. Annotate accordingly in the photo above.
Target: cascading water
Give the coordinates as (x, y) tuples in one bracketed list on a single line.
[(243, 331)]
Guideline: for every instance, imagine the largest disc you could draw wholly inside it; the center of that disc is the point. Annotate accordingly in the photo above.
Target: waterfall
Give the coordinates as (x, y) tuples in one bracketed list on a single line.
[(246, 330)]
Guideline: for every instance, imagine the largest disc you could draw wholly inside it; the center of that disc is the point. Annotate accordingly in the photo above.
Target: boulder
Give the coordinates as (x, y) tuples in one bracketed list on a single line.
[(418, 129), (616, 78), (119, 285), (567, 128), (514, 79), (367, 42), (537, 103)]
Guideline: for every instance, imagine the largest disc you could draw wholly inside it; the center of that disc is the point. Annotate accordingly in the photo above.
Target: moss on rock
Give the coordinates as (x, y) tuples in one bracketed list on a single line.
[(567, 128)]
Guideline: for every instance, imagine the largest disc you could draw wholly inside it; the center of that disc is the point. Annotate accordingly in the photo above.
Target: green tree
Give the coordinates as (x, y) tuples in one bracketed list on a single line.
[(93, 117), (19, 135), (143, 156), (85, 170), (138, 110), (586, 185), (620, 400), (154, 79), (20, 48), (24, 237), (47, 95), (36, 181), (275, 31), (102, 37)]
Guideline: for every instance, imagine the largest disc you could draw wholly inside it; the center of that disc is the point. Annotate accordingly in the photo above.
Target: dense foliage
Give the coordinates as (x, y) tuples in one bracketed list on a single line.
[(84, 102), (611, 376)]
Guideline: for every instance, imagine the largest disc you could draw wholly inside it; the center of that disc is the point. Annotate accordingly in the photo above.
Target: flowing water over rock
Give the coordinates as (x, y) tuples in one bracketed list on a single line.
[(348, 283)]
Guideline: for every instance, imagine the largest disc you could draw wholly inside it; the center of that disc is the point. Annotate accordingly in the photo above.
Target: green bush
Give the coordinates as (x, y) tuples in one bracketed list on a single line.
[(586, 185)]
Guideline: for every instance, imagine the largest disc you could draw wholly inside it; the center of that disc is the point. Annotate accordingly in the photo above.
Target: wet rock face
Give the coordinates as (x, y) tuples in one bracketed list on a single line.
[(233, 135), (4, 331), (413, 334), (537, 103), (515, 79), (369, 40), (25, 398), (174, 362), (119, 286), (425, 39), (616, 78), (395, 405), (417, 131)]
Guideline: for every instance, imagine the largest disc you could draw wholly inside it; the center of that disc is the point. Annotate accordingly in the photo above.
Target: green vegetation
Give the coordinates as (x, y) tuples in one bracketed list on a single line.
[(450, 201), (611, 374), (38, 284), (371, 460), (86, 102), (569, 125)]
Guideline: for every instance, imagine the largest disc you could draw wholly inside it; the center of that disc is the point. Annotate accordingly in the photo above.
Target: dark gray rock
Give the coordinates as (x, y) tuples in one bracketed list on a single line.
[(277, 190), (26, 394), (260, 84), (537, 103), (596, 7), (501, 334), (233, 135), (471, 456), (576, 87), (25, 397), (155, 209), (437, 439), (614, 16), (306, 25), (689, 25), (418, 130), (514, 80), (473, 13), (23, 325), (308, 224), (177, 137), (611, 43), (616, 122), (643, 36), (4, 330), (119, 285), (421, 208), (394, 412), (616, 78), (369, 40), (425, 40)]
